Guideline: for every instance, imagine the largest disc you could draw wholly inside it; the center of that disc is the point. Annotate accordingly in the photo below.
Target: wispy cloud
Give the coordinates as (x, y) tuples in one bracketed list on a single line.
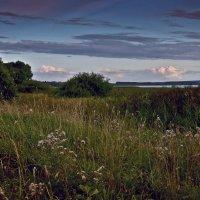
[(9, 52), (187, 34), (109, 48), (185, 14), (75, 21), (7, 22), (81, 21), (119, 37), (172, 23), (3, 37), (15, 15)]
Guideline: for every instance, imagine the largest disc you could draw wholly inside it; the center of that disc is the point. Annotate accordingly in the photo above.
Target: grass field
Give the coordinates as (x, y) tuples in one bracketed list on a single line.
[(134, 144)]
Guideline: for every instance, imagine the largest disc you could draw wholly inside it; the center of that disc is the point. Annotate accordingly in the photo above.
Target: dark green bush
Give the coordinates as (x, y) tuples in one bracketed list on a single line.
[(7, 86), (19, 71), (33, 86), (85, 85)]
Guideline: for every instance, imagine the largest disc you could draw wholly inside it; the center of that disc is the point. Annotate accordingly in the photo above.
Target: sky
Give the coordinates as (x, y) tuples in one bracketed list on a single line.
[(125, 40)]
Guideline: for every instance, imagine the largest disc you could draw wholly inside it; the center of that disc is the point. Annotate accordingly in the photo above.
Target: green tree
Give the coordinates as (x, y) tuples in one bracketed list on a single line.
[(7, 87), (85, 85), (19, 71), (34, 86)]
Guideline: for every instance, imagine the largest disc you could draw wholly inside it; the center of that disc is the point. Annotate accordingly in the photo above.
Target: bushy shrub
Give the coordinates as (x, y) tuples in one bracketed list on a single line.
[(19, 71), (33, 86), (85, 85), (7, 86)]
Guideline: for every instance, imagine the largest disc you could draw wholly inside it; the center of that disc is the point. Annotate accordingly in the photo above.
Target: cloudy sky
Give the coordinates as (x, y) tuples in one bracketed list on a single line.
[(126, 40)]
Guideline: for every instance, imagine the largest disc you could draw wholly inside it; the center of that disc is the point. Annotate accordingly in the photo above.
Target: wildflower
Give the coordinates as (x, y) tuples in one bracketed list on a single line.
[(83, 177), (98, 173), (169, 132), (197, 136), (95, 179), (33, 189), (57, 174), (41, 188), (63, 133), (83, 142), (40, 143), (74, 154), (36, 189), (60, 147), (198, 129), (100, 168), (34, 171)]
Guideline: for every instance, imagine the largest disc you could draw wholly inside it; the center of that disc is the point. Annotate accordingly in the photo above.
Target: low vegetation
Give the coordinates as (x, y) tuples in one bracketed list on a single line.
[(87, 148), (33, 86)]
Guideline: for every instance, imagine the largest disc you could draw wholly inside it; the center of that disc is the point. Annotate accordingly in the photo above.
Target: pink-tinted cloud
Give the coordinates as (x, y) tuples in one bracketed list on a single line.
[(169, 72), (53, 73), (186, 14), (50, 69)]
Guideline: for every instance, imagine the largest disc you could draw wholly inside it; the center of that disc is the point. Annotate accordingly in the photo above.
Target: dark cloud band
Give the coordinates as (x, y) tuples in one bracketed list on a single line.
[(109, 49)]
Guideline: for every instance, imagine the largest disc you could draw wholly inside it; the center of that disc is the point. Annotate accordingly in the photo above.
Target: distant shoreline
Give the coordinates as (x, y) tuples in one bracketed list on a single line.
[(158, 84)]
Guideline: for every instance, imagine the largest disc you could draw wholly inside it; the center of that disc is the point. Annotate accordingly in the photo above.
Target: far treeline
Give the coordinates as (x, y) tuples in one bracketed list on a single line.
[(16, 77), (166, 83)]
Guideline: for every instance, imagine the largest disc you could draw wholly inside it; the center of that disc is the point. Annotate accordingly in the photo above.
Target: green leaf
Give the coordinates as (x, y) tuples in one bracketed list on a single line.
[(96, 191), (85, 188)]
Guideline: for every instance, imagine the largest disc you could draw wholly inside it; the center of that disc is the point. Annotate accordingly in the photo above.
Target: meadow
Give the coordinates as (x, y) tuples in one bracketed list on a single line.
[(134, 144)]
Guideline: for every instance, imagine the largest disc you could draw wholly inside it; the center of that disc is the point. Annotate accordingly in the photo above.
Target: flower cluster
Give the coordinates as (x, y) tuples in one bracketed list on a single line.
[(115, 125), (36, 190), (56, 141), (95, 175), (53, 140)]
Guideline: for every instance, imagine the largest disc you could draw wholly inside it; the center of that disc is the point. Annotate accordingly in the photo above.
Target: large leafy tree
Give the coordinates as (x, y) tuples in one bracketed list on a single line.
[(19, 71), (85, 85), (7, 87)]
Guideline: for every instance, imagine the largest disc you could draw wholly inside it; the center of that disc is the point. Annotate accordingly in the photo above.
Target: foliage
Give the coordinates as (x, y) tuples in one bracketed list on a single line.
[(31, 86), (7, 87), (85, 85), (174, 106), (19, 71), (89, 150)]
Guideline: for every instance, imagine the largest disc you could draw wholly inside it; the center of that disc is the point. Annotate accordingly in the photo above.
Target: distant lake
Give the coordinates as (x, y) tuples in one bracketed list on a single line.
[(157, 86)]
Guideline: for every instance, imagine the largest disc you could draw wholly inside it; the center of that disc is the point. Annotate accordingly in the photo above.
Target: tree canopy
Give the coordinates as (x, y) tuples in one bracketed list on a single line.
[(7, 87), (85, 85), (19, 71)]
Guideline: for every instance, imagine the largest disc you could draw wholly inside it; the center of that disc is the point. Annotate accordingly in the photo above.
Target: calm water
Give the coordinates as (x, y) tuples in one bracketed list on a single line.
[(158, 86)]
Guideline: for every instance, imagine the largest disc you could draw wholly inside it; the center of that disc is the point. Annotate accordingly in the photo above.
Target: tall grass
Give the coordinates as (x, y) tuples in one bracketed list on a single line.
[(91, 148)]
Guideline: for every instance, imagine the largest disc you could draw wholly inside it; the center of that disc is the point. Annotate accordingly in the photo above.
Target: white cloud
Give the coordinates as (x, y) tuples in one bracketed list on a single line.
[(53, 73), (49, 69), (169, 72), (111, 73)]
